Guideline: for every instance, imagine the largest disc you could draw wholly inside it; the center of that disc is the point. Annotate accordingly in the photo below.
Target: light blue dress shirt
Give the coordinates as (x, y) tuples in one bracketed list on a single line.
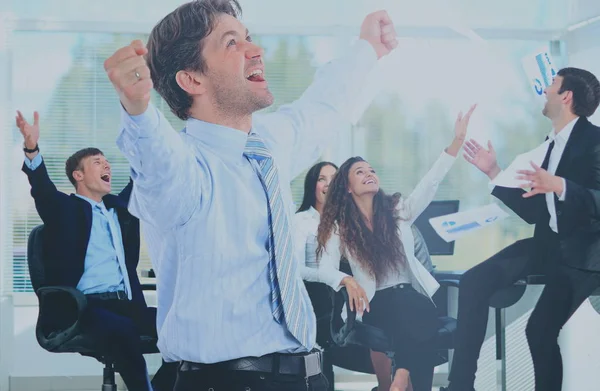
[(204, 214), (101, 271)]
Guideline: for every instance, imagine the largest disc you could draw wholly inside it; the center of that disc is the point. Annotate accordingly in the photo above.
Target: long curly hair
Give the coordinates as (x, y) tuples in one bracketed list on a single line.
[(378, 251)]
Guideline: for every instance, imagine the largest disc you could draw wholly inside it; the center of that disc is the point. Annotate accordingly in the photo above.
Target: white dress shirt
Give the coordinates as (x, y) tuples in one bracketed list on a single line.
[(560, 142), (204, 214)]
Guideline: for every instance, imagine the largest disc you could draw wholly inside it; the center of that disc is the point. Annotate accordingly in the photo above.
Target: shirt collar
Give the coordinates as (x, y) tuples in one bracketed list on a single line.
[(314, 213), (563, 136), (91, 201), (226, 142)]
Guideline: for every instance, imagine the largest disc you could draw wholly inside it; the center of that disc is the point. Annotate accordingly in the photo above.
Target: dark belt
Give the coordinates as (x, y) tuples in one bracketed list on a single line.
[(118, 295), (283, 364)]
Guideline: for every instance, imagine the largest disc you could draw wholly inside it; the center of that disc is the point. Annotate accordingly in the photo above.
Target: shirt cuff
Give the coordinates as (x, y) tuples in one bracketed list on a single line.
[(142, 125), (35, 163), (492, 183), (366, 52), (447, 158), (563, 196), (335, 280)]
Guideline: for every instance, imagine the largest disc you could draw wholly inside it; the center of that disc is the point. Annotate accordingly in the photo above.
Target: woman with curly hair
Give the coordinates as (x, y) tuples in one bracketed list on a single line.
[(373, 231), (306, 224)]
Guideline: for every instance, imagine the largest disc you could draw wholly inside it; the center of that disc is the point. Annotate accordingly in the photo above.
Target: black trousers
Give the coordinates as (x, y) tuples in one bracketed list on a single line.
[(564, 292), (411, 319), (118, 324), (216, 379)]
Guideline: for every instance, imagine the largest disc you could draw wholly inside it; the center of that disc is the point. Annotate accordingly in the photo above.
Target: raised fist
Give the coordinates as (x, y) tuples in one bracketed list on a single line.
[(378, 30), (130, 75)]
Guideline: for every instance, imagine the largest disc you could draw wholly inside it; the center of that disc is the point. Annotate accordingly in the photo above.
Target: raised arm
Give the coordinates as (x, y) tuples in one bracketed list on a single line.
[(167, 178), (301, 130), (529, 209), (412, 206), (48, 200)]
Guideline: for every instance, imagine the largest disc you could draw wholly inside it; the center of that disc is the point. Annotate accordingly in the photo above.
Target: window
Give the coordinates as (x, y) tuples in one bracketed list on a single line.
[(405, 129), (79, 108)]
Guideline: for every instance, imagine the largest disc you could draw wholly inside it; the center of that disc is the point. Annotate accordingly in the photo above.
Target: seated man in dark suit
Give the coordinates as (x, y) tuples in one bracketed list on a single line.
[(93, 243)]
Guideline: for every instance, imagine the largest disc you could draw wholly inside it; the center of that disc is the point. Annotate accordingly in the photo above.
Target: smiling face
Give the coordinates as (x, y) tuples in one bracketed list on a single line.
[(325, 177), (93, 177), (235, 76), (362, 179), (557, 101)]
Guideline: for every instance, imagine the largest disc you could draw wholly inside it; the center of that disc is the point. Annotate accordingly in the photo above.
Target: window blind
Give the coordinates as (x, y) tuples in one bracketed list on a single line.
[(79, 108)]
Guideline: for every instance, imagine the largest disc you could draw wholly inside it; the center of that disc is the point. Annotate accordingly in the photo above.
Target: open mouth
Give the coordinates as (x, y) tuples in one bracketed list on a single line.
[(256, 76), (105, 178), (370, 182)]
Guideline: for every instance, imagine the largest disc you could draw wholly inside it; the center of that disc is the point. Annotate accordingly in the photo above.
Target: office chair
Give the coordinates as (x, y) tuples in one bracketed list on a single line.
[(65, 335), (348, 345)]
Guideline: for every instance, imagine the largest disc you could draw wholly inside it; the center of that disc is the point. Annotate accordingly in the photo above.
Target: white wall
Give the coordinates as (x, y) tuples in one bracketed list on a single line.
[(583, 50)]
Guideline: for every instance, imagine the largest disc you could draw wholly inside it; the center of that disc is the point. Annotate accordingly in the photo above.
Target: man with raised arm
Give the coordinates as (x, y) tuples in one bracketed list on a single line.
[(215, 199)]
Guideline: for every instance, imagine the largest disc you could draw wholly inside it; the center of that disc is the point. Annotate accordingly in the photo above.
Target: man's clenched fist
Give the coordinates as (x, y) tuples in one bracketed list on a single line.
[(130, 75)]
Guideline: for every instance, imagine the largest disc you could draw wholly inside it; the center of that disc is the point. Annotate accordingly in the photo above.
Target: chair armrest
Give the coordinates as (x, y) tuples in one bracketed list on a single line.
[(537, 279), (340, 329), (52, 298), (450, 283)]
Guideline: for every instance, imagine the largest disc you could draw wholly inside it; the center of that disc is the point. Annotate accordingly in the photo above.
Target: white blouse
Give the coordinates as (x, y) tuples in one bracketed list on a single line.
[(306, 225)]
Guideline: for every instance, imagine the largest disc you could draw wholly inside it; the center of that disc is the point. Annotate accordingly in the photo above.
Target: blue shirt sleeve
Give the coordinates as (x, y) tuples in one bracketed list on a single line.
[(35, 163)]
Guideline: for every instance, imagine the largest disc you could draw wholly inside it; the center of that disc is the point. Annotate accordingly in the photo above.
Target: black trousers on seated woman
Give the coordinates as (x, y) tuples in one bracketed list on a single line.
[(411, 319)]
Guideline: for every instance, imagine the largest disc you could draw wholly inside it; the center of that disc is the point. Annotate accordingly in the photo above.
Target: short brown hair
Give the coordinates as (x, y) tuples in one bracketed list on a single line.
[(74, 161), (175, 44)]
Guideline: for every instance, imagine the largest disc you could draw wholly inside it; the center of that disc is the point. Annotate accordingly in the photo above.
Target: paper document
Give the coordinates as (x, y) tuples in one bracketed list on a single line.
[(540, 69), (456, 225), (508, 177)]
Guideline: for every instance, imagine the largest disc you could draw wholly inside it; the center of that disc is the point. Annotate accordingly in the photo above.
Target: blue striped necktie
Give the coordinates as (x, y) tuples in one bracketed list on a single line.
[(288, 302)]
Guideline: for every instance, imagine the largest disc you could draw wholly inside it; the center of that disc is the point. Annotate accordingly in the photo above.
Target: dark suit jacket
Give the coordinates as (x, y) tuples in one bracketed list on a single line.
[(67, 228), (577, 217)]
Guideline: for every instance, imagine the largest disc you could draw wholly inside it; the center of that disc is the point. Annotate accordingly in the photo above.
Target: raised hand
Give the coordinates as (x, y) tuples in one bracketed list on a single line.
[(378, 30), (31, 133), (483, 159), (462, 123), (539, 181), (129, 73), (460, 131)]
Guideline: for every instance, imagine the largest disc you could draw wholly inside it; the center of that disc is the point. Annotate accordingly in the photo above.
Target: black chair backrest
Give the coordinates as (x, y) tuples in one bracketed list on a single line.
[(35, 249), (435, 244)]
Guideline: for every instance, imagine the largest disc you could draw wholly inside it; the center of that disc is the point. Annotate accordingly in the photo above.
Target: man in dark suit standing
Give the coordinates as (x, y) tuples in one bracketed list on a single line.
[(566, 242), (93, 244)]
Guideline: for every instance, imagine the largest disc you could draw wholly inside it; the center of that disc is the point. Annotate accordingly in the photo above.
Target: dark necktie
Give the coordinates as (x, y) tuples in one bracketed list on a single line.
[(547, 158)]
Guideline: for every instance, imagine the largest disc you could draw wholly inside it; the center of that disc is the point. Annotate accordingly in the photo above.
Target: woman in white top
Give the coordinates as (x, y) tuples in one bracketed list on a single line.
[(306, 223), (373, 231), (306, 219)]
